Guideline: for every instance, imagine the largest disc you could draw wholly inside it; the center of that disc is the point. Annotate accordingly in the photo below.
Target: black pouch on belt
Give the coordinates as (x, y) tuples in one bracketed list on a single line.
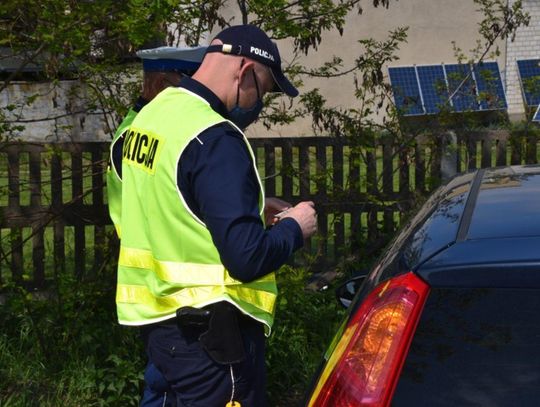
[(190, 317), (223, 340)]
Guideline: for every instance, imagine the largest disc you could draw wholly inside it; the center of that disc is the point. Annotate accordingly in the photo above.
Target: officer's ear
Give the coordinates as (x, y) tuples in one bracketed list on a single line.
[(246, 66)]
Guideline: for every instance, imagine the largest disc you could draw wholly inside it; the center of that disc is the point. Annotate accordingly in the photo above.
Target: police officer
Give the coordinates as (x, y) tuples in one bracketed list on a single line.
[(196, 264), (162, 67)]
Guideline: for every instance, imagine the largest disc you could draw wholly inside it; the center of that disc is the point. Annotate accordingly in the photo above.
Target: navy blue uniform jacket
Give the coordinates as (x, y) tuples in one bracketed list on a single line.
[(218, 182)]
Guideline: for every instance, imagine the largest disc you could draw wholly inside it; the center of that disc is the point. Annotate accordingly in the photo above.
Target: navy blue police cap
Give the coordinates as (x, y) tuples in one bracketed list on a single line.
[(184, 60), (252, 42)]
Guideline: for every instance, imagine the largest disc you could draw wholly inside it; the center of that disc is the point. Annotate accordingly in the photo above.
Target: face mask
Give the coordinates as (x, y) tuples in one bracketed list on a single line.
[(243, 117)]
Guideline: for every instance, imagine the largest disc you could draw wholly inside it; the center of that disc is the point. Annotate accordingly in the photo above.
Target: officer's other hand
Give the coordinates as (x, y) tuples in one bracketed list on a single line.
[(273, 206), (304, 213)]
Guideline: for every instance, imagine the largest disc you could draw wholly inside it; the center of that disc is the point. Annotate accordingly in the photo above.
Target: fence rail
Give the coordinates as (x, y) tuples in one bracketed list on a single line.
[(53, 201)]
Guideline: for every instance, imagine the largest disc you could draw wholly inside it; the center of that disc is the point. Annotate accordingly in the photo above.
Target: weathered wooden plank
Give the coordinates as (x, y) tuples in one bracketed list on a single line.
[(404, 184), (98, 184), (337, 170), (77, 202), (287, 172), (38, 255), (270, 170), (388, 170), (435, 170), (76, 178), (471, 154), (59, 246), (371, 172), (516, 152), (56, 182), (321, 173), (13, 179), (419, 168), (500, 152), (486, 153), (303, 152), (339, 234), (388, 220), (17, 265), (35, 178), (354, 172)]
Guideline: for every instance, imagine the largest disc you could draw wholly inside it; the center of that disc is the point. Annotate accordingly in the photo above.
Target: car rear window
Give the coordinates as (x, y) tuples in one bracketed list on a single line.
[(507, 206), (474, 347), (433, 227)]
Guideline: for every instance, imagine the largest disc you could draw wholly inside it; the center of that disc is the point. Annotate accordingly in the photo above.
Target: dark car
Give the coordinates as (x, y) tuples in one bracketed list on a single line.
[(450, 315)]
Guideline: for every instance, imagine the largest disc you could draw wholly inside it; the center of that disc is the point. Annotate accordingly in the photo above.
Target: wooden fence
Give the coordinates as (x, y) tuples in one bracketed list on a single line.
[(53, 210), (53, 202)]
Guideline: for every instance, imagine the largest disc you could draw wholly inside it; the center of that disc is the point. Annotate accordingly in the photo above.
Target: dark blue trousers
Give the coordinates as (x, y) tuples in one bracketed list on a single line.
[(194, 379), (157, 392)]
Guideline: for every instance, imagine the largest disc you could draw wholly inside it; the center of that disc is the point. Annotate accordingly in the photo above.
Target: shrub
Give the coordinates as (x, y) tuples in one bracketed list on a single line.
[(66, 347), (305, 323)]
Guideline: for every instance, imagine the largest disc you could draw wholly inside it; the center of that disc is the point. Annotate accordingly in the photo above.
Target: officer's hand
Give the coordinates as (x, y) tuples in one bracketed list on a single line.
[(304, 213), (273, 206)]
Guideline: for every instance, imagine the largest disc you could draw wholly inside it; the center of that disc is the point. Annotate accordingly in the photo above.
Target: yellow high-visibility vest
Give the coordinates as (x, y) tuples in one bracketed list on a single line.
[(167, 257), (114, 182)]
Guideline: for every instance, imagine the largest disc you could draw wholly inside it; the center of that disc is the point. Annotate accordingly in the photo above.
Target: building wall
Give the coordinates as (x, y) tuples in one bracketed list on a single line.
[(433, 25), (57, 114), (525, 46)]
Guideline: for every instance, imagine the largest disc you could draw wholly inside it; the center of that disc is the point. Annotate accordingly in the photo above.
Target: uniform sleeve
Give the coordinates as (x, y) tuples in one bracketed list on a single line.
[(218, 182)]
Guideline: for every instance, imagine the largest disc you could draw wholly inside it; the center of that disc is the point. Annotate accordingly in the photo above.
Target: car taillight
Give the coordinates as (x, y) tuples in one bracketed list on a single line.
[(366, 362)]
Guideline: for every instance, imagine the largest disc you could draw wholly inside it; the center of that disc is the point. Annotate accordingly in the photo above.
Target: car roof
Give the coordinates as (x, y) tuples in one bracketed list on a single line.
[(508, 204), (485, 216), (495, 228)]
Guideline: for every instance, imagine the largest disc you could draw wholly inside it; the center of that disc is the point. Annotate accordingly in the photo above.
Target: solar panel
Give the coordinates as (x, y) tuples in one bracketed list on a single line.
[(536, 117), (461, 87), (529, 74), (433, 86), (490, 87), (406, 91), (425, 89)]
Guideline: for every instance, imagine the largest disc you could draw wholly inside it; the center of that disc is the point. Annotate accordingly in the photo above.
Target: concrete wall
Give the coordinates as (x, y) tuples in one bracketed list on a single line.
[(58, 113)]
